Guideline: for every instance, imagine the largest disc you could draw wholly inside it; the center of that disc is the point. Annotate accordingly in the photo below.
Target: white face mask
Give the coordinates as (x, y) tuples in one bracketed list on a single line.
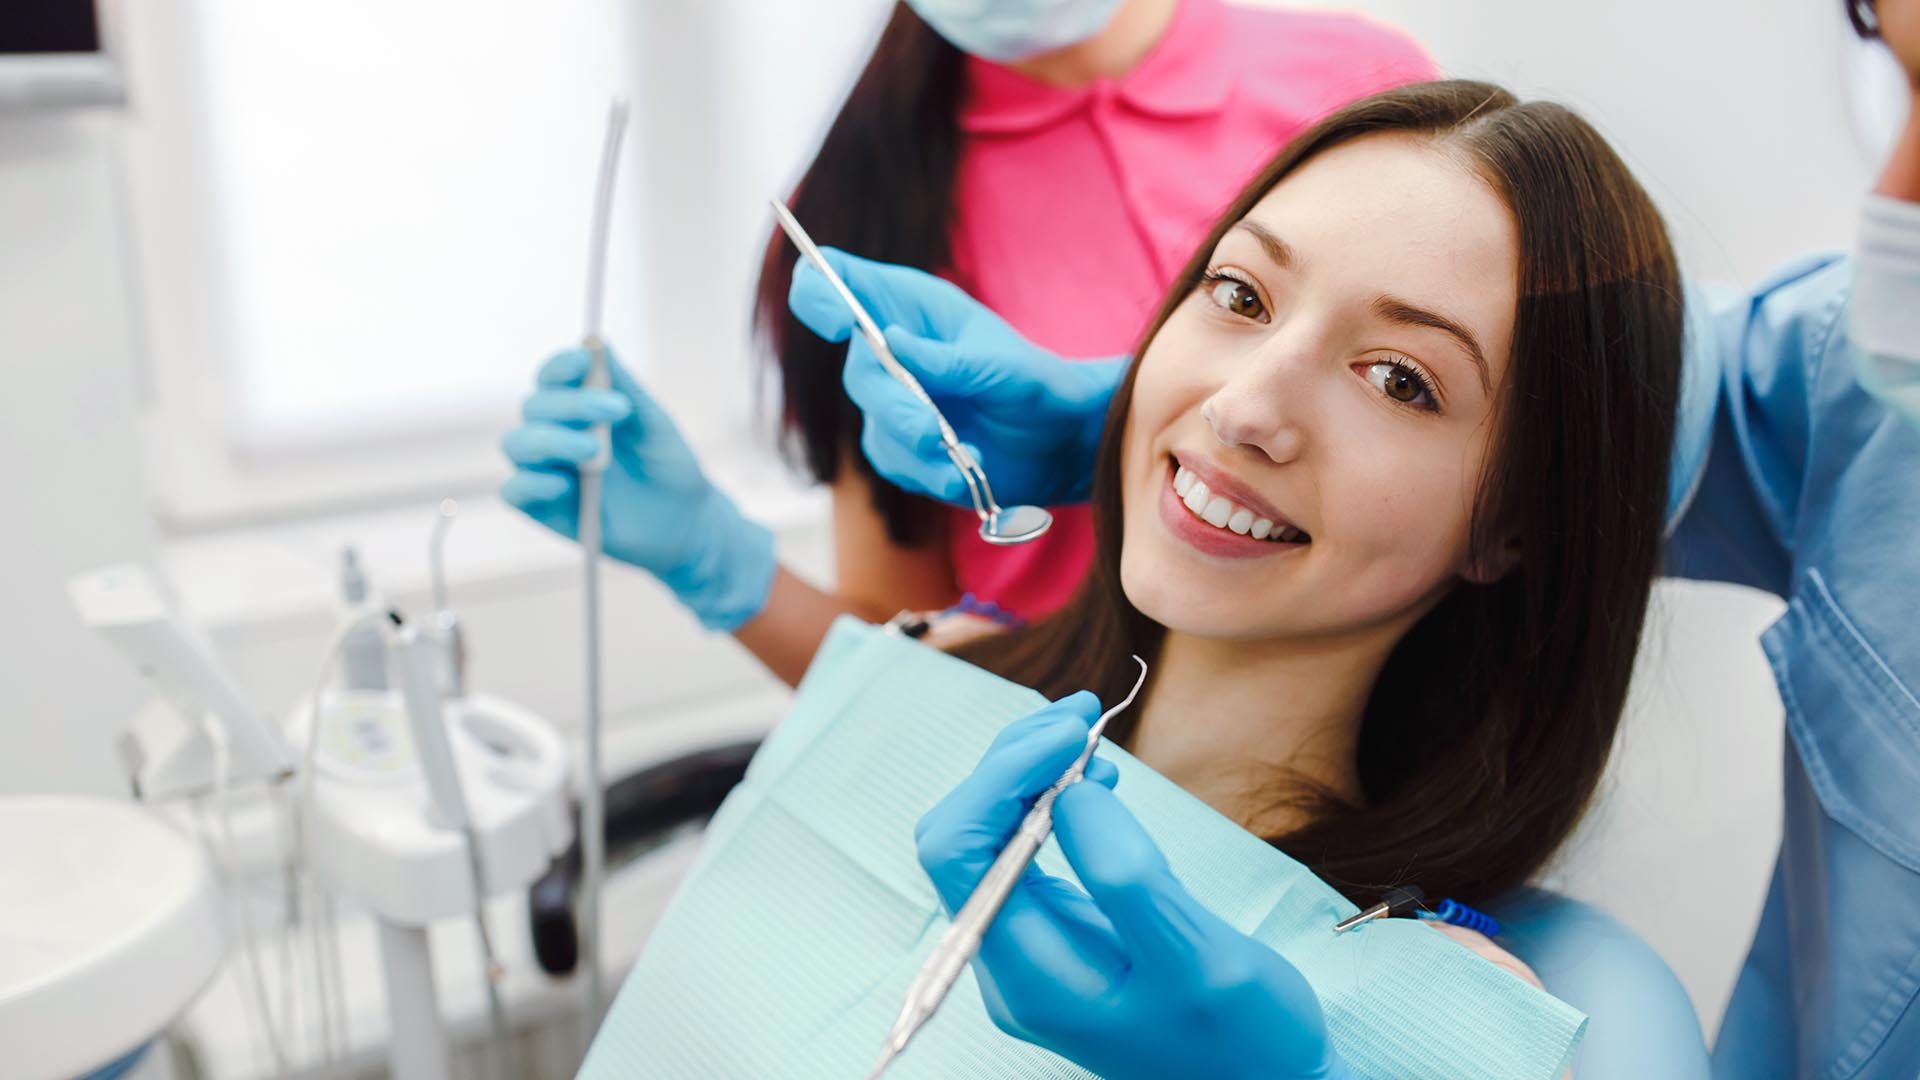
[(1007, 30)]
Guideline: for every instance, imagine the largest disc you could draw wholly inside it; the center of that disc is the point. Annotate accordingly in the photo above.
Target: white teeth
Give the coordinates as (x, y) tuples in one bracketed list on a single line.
[(1221, 513)]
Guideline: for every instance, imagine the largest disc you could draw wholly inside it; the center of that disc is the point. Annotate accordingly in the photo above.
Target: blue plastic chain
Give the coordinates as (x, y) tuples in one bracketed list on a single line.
[(1455, 913)]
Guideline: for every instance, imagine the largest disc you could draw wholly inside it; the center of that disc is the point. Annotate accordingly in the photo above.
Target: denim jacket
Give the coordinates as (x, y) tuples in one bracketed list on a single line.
[(1793, 478)]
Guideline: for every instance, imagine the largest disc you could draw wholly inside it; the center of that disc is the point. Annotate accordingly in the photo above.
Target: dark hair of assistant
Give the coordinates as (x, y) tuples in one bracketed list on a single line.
[(881, 185)]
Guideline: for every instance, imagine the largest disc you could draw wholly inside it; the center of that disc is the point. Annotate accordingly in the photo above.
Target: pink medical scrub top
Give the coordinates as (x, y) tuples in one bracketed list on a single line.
[(1076, 208)]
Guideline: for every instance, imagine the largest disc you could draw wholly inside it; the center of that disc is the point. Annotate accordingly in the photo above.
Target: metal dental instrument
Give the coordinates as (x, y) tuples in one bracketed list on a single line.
[(443, 625), (1403, 900), (593, 805), (998, 525), (962, 939)]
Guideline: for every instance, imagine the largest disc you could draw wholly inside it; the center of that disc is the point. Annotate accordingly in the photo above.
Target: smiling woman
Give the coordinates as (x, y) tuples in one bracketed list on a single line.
[(1381, 499)]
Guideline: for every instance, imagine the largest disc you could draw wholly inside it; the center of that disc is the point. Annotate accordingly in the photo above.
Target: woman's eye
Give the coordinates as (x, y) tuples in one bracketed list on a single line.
[(1403, 384), (1236, 296)]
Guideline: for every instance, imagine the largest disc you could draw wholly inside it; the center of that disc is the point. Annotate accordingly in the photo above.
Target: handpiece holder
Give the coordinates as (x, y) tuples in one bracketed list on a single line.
[(166, 749), (399, 774)]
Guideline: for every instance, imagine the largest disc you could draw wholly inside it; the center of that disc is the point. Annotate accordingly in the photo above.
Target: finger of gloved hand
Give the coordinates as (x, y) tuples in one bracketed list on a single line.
[(959, 837), (1103, 772), (530, 487), (886, 401), (1019, 961), (1127, 875), (642, 416), (948, 370), (973, 451), (817, 304), (898, 432), (543, 444), (574, 407), (650, 419), (883, 289), (564, 368), (1026, 758), (569, 367), (547, 498), (1050, 945), (892, 293), (935, 479), (956, 869)]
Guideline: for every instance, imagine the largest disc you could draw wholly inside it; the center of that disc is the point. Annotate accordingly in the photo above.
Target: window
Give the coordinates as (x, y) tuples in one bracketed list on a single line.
[(358, 227)]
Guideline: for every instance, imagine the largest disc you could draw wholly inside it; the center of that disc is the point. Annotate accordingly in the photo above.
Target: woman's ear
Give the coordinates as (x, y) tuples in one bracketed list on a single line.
[(1493, 562)]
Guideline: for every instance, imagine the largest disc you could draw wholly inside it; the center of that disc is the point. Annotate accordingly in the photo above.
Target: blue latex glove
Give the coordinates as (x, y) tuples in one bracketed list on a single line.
[(1030, 418), (1133, 977), (658, 510)]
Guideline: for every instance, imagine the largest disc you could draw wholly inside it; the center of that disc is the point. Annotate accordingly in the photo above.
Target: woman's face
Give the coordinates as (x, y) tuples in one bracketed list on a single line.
[(1308, 430)]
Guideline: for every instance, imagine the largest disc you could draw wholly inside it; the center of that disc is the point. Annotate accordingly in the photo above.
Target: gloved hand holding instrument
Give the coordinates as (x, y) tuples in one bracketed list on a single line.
[(1131, 977), (1031, 418), (659, 511)]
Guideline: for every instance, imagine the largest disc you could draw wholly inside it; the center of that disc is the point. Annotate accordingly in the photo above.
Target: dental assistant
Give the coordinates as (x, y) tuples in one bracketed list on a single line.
[(1790, 475), (1059, 158)]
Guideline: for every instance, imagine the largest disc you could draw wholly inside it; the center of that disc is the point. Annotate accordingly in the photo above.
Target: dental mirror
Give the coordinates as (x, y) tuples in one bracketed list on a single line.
[(1015, 525), (1000, 525)]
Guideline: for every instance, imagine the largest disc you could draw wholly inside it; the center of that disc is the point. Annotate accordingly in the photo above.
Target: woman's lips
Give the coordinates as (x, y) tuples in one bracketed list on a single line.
[(1198, 534), (1210, 489)]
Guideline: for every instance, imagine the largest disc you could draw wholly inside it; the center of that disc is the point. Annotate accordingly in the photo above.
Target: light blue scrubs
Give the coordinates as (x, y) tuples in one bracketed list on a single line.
[(1811, 490)]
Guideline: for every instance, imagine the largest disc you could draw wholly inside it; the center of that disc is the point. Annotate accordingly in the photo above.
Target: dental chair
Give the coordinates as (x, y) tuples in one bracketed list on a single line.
[(644, 810), (1641, 1022)]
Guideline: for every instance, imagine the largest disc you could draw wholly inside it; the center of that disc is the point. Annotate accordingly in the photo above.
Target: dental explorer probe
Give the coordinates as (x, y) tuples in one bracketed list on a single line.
[(593, 794), (962, 939)]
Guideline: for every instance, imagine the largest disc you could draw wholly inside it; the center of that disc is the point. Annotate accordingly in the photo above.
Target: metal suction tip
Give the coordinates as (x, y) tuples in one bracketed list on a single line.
[(1015, 525)]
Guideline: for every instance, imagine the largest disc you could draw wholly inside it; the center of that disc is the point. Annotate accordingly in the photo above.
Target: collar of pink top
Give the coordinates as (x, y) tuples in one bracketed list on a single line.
[(1189, 72)]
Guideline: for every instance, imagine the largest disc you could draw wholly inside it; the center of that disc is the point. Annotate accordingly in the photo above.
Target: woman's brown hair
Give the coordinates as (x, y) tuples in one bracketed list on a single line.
[(1489, 726)]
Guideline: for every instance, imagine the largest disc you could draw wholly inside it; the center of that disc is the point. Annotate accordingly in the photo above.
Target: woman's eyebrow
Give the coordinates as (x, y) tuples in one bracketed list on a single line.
[(1276, 248), (1394, 309)]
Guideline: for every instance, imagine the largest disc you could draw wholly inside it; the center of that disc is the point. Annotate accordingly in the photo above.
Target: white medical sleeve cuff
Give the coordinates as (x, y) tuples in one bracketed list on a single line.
[(1883, 325), (1886, 292)]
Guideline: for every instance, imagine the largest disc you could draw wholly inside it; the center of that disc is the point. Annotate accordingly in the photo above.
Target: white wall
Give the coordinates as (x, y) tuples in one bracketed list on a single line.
[(765, 77), (1732, 114), (71, 493)]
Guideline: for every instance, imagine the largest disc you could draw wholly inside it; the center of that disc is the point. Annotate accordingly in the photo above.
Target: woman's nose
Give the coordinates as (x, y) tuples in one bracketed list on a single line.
[(1263, 407)]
